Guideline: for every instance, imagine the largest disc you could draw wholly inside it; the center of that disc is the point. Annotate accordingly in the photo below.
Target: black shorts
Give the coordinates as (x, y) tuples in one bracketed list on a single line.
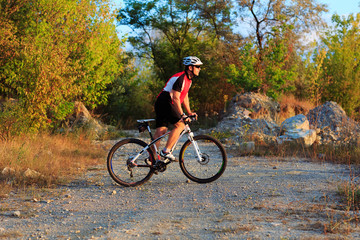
[(165, 111)]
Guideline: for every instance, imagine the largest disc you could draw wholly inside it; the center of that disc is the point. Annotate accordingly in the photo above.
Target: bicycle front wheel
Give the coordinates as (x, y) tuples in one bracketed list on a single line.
[(121, 168), (212, 163)]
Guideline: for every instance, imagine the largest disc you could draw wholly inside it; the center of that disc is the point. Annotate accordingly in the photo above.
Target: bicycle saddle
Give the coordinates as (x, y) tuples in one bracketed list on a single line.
[(145, 120)]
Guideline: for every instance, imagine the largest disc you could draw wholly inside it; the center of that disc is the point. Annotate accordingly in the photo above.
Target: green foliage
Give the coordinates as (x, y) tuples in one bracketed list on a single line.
[(311, 87), (221, 135), (341, 67), (245, 76), (167, 31), (130, 97), (275, 64), (280, 72), (63, 51), (53, 53), (13, 120), (209, 91), (271, 70)]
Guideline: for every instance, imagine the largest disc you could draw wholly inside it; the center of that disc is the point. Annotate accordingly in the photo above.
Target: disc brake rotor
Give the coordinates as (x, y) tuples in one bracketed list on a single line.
[(204, 159)]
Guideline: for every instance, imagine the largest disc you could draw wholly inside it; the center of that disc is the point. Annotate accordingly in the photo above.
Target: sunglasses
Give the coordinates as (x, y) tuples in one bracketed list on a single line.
[(197, 66)]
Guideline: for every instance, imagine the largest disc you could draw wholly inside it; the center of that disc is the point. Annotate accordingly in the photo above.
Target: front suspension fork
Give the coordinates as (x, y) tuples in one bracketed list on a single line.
[(196, 146)]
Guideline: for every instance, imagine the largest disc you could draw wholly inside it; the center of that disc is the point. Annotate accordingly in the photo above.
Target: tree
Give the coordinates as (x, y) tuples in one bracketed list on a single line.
[(341, 66), (130, 97), (276, 73), (167, 31), (244, 75), (304, 15), (269, 62), (179, 23), (57, 52)]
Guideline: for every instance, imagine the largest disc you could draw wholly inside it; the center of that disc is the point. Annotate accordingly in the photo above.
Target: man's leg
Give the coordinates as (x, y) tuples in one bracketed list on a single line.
[(159, 132), (174, 134)]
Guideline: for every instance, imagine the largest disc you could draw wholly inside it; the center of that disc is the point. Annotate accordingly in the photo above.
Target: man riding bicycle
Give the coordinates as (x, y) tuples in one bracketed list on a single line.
[(168, 104)]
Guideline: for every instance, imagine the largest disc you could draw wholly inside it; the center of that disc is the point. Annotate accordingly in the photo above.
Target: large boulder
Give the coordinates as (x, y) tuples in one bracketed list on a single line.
[(298, 122), (254, 117), (330, 114), (255, 106), (297, 129), (249, 113), (250, 118), (82, 118), (333, 125)]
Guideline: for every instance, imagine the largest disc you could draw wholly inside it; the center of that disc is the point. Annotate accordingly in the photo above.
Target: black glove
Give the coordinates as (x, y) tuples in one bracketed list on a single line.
[(185, 118)]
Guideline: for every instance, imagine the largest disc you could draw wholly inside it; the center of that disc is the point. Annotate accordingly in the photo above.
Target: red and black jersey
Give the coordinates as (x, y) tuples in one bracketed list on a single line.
[(180, 83)]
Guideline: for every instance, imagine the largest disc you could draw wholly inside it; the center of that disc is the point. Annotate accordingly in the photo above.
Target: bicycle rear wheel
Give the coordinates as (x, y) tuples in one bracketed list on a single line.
[(213, 159), (119, 163)]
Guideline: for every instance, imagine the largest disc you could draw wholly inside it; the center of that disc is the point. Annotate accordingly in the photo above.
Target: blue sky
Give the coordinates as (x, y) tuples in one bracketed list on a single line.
[(342, 7)]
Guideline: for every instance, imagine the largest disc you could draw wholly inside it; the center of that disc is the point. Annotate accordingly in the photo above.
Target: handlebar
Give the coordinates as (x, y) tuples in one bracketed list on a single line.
[(192, 118)]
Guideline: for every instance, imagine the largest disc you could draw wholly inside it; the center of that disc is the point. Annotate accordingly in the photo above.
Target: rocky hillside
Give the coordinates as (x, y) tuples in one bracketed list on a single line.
[(255, 117)]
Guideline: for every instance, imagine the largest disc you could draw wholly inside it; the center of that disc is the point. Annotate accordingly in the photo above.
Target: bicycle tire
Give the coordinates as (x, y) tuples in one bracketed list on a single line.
[(119, 156), (213, 154)]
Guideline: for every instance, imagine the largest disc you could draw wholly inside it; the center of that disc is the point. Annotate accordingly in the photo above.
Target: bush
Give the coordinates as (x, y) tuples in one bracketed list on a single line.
[(13, 120)]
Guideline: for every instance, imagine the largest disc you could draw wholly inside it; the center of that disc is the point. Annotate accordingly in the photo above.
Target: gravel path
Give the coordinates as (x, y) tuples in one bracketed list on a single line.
[(256, 198)]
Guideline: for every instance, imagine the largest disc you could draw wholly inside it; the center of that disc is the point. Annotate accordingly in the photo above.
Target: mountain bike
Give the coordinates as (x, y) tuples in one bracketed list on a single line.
[(131, 162)]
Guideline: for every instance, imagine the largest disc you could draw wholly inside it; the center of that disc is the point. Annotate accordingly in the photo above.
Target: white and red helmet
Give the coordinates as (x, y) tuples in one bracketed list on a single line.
[(191, 61)]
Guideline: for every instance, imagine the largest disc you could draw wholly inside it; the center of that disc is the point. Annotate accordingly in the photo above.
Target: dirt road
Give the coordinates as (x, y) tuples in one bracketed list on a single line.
[(256, 198)]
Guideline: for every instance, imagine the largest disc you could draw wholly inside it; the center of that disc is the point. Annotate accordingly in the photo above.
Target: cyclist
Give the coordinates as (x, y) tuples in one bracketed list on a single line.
[(168, 104)]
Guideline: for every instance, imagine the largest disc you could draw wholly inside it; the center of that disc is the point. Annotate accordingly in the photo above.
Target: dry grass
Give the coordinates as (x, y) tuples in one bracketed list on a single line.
[(290, 106), (56, 158), (10, 235), (350, 194), (234, 229)]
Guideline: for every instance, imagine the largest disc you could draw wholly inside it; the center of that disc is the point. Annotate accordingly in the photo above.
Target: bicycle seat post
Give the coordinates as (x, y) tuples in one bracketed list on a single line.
[(150, 133), (144, 124)]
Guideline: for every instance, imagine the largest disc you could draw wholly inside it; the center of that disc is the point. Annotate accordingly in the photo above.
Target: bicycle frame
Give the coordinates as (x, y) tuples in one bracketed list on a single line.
[(186, 130)]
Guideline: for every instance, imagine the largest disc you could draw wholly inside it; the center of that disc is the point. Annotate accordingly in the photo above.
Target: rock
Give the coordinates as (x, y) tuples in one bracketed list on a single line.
[(298, 122), (305, 138), (334, 125), (7, 172), (31, 173), (330, 114), (297, 129), (81, 118), (247, 147), (252, 117), (250, 113), (4, 196), (255, 106), (16, 214)]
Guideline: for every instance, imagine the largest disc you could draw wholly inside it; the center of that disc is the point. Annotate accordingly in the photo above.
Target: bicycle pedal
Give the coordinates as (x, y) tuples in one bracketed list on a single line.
[(160, 166)]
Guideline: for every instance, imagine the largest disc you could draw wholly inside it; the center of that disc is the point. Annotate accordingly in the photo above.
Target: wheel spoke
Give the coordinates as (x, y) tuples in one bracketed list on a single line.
[(120, 165), (212, 163)]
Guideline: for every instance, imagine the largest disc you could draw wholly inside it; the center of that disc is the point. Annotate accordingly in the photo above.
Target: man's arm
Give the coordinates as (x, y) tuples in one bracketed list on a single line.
[(176, 101), (187, 104)]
